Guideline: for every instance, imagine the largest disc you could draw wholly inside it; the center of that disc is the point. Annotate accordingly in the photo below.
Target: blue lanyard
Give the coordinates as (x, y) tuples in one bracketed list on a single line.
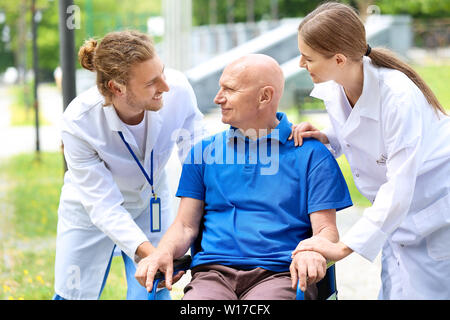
[(149, 179)]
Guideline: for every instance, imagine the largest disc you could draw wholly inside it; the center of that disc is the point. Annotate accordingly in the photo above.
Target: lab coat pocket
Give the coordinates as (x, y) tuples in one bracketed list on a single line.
[(74, 214), (433, 223), (162, 157), (438, 244)]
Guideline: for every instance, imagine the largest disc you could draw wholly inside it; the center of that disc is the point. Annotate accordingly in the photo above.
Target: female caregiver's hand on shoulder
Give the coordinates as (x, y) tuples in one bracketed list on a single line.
[(333, 251), (306, 130)]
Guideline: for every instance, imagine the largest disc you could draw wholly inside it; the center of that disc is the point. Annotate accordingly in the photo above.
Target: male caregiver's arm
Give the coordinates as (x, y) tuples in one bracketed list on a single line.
[(144, 249), (174, 244), (309, 267)]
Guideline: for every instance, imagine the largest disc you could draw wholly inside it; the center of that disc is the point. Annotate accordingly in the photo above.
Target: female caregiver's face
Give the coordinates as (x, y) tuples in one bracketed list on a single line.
[(146, 85), (320, 68)]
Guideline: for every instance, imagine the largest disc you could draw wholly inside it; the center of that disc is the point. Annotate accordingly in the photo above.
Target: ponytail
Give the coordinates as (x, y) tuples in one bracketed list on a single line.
[(385, 58), (318, 30)]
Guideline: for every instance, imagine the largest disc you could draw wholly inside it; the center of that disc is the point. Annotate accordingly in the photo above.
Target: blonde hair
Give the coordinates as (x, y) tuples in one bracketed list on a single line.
[(113, 57), (318, 31)]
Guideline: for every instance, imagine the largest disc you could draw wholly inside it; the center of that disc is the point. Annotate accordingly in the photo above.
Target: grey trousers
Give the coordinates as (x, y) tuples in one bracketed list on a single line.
[(218, 282)]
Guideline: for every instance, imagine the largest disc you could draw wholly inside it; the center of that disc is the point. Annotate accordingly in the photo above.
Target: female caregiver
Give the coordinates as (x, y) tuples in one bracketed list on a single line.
[(396, 138), (118, 137)]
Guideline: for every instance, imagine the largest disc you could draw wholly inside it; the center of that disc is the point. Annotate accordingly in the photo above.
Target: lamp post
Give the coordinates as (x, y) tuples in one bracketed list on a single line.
[(34, 25), (67, 26)]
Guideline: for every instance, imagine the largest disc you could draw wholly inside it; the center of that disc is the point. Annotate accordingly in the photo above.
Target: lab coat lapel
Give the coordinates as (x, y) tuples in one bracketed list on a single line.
[(154, 125), (328, 92), (368, 104), (370, 100), (115, 124)]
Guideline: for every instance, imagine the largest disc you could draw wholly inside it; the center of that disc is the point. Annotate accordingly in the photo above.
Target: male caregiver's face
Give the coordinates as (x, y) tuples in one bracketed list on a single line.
[(237, 96), (146, 85)]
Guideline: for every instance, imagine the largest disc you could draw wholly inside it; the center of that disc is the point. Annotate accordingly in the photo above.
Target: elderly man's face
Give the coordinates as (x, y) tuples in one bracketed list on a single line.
[(238, 96)]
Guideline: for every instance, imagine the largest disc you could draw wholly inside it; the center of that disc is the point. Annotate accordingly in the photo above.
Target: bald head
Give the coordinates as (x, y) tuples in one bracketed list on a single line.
[(250, 91), (259, 70)]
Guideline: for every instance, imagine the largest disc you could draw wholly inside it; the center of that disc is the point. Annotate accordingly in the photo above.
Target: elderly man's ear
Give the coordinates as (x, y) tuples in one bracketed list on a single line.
[(266, 95)]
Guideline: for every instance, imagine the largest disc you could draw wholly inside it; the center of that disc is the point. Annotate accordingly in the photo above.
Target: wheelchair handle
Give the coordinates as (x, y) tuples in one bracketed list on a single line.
[(182, 263)]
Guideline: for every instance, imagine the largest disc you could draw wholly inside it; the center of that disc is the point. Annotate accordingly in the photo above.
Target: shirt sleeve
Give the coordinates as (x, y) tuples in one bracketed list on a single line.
[(334, 146), (326, 186), (191, 183), (99, 194), (402, 129)]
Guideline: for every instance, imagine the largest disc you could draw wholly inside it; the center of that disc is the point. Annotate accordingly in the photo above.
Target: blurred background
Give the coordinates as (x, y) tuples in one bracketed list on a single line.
[(198, 37)]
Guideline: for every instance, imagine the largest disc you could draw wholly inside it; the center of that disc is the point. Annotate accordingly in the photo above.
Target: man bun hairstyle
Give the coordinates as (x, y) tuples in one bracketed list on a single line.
[(86, 54), (113, 56)]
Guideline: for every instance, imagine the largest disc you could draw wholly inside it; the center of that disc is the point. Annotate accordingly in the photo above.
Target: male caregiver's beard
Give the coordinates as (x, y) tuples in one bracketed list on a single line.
[(151, 104)]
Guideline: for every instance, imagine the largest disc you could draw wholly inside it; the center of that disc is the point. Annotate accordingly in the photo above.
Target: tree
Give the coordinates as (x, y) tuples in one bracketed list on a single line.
[(415, 8), (97, 18)]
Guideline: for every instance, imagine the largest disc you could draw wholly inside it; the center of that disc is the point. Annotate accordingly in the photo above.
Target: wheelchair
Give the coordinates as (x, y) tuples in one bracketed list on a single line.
[(327, 289)]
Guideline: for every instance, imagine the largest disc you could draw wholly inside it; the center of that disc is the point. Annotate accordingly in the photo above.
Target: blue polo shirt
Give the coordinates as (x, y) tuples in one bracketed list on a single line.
[(258, 195)]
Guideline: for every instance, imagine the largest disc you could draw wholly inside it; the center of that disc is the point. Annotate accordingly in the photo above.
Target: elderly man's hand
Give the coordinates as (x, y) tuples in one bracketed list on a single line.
[(147, 268), (307, 267)]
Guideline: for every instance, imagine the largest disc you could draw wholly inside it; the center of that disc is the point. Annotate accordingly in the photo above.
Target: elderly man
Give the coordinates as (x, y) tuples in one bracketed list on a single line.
[(250, 196)]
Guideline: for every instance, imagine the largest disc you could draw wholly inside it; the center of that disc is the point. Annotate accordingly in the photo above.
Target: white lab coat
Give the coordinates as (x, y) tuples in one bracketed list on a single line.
[(105, 197), (398, 149)]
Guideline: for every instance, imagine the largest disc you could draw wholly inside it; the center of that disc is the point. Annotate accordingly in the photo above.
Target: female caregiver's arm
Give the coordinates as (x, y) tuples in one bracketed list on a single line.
[(99, 194), (175, 242), (402, 131)]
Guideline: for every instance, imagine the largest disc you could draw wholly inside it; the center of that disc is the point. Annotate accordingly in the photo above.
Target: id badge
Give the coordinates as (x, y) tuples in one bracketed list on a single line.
[(155, 214)]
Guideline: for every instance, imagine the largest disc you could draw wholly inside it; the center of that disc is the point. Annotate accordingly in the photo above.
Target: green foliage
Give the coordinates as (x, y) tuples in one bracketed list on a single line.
[(48, 39), (416, 8), (300, 8), (102, 16), (21, 109), (286, 8), (97, 18)]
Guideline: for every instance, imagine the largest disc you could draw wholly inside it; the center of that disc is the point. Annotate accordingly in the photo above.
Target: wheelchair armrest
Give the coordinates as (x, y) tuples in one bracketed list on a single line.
[(182, 263)]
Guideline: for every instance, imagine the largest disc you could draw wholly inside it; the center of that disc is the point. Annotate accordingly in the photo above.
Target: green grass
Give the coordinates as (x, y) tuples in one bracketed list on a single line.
[(30, 190), (29, 217), (28, 275), (34, 193), (22, 109), (438, 79)]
